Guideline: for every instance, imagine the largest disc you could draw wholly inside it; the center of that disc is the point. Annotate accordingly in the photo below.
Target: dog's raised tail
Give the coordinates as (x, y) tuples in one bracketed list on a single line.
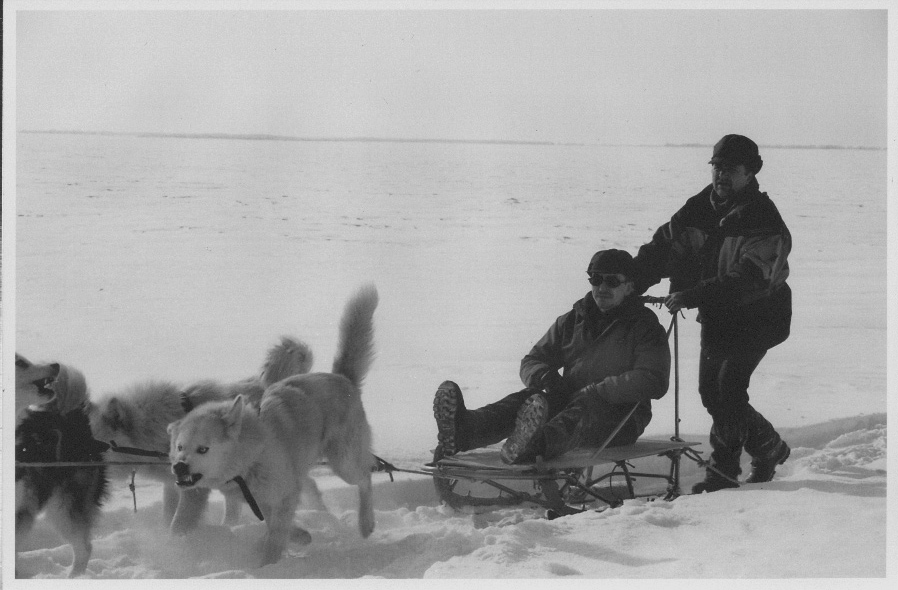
[(355, 349)]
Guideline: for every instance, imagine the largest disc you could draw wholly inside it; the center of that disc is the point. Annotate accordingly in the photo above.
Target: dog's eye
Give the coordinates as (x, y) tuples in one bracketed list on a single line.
[(202, 450), (180, 448)]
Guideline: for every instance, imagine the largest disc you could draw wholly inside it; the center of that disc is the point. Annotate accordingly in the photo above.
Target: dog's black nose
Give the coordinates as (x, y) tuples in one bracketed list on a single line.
[(181, 469)]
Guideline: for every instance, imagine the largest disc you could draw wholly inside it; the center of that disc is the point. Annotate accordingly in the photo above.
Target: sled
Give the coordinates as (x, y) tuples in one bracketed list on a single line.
[(479, 477), (558, 485)]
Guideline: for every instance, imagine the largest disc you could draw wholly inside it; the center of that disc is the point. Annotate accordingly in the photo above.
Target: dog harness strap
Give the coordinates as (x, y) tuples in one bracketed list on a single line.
[(133, 451), (248, 497)]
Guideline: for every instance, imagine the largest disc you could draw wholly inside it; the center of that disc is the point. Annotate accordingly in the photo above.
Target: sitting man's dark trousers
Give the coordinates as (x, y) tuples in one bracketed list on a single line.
[(575, 419)]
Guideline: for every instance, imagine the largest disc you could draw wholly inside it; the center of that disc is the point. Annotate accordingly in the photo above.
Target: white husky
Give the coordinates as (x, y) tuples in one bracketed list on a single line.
[(139, 415), (300, 419)]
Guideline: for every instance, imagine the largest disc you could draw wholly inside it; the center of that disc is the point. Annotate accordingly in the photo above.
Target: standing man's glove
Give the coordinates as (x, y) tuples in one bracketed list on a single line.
[(552, 383)]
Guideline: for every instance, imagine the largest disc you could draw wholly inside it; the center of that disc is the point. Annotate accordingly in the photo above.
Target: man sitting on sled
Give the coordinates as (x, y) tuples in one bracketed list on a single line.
[(613, 353)]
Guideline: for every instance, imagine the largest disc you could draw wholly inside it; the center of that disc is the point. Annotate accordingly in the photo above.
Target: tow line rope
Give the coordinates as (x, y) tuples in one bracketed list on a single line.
[(381, 465), (247, 495), (389, 468), (110, 446), (106, 447)]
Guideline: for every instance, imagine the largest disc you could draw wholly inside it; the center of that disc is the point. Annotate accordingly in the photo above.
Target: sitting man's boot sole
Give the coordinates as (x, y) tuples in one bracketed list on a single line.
[(447, 402)]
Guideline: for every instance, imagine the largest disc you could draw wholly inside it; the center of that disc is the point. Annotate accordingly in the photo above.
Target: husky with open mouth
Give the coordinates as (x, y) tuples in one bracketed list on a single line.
[(300, 419), (57, 431), (138, 416), (37, 383)]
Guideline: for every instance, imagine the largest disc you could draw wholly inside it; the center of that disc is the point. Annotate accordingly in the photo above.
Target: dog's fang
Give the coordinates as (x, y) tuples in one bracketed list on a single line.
[(188, 480)]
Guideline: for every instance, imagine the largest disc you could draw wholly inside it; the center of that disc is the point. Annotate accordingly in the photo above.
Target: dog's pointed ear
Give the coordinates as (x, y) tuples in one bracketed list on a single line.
[(234, 417)]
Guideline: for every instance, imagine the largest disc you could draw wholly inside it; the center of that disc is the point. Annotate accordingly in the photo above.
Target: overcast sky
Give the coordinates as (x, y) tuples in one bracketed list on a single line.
[(586, 76)]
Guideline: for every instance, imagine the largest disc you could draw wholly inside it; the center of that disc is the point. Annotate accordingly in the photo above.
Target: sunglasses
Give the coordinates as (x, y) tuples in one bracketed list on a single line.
[(613, 281)]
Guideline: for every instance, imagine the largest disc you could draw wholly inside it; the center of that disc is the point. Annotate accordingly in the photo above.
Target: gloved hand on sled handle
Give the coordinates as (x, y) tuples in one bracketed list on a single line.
[(675, 302)]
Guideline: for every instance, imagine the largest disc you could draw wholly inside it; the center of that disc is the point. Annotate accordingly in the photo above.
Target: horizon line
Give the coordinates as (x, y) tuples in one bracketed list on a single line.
[(271, 137)]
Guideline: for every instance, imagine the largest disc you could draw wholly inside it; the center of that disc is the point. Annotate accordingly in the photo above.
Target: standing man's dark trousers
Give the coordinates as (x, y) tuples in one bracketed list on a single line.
[(724, 375)]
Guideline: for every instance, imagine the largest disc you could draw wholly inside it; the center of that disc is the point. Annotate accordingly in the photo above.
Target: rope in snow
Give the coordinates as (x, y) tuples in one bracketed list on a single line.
[(109, 446)]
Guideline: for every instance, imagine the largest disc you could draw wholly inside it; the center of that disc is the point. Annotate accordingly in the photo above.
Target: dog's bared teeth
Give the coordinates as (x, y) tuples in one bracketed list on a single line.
[(44, 386), (188, 480)]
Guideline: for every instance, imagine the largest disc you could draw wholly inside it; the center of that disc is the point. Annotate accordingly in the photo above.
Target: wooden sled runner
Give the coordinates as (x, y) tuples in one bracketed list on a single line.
[(480, 478)]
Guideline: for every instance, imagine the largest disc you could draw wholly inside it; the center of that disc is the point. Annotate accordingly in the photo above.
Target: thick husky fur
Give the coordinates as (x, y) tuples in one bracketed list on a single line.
[(300, 420), (138, 417), (70, 496), (37, 384)]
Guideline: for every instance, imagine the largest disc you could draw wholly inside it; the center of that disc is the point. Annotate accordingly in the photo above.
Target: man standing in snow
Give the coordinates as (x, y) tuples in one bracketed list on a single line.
[(725, 253), (614, 355)]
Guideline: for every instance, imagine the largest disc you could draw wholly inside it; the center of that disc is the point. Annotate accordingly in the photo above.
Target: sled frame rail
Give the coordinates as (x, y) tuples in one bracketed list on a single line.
[(556, 480)]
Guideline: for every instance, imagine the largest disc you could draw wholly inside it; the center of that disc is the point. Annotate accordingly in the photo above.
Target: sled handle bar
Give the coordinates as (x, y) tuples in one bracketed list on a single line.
[(652, 299)]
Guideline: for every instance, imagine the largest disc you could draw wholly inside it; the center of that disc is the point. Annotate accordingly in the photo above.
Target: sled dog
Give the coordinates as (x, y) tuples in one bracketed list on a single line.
[(138, 417), (38, 383), (70, 496), (300, 420)]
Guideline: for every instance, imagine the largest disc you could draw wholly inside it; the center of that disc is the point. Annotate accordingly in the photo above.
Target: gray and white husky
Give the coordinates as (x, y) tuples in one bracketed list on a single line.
[(53, 427), (300, 419), (38, 383), (139, 416)]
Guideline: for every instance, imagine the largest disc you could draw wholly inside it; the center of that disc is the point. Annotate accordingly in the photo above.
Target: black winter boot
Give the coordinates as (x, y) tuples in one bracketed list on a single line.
[(765, 446), (493, 422), (763, 468), (727, 437), (460, 429), (448, 407), (523, 445)]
